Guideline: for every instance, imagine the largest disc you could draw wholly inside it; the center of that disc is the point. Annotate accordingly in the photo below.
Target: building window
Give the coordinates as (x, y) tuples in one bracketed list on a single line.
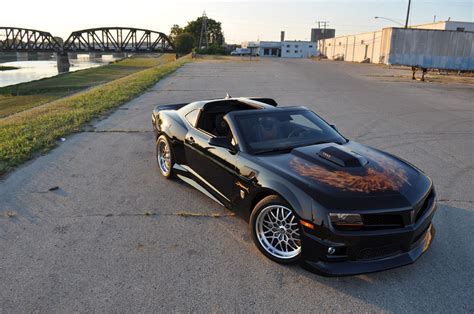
[(296, 46), (361, 42), (310, 46), (287, 51), (460, 29), (339, 43), (287, 46), (296, 51)]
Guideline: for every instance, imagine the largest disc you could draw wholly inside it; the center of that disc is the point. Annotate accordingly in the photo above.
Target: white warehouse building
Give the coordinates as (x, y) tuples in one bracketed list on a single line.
[(298, 49), (284, 49)]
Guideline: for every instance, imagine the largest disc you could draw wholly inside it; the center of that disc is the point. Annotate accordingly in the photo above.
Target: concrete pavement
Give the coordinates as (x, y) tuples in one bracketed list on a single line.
[(115, 235)]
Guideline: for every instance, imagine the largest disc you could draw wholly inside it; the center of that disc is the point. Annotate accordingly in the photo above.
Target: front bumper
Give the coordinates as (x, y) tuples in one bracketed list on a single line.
[(367, 252)]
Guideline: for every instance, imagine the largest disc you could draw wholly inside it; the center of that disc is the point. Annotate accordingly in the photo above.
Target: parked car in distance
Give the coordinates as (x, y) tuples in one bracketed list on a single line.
[(240, 52)]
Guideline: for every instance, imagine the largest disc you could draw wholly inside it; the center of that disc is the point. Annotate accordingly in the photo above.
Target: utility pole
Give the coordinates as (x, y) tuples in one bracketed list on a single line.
[(325, 24), (203, 39), (408, 14)]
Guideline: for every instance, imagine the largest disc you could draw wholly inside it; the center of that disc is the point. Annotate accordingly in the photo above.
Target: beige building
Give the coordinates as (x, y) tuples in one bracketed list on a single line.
[(354, 48), (448, 26), (375, 47)]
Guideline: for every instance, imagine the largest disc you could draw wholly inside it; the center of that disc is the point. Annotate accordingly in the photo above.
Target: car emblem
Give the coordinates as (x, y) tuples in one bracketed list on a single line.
[(243, 187)]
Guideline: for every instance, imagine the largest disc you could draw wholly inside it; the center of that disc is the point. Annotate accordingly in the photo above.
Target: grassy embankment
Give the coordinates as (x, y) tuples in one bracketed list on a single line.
[(23, 96), (35, 131)]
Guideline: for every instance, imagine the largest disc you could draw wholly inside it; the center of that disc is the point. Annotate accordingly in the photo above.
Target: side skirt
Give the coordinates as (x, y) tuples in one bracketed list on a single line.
[(187, 175)]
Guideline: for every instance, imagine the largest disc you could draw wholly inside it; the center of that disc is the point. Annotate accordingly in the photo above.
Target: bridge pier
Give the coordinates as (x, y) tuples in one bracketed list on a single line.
[(44, 55), (22, 56), (62, 62), (119, 55), (95, 55)]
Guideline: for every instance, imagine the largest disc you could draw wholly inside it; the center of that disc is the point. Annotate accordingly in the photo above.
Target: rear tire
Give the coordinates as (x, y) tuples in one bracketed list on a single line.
[(275, 230), (164, 157)]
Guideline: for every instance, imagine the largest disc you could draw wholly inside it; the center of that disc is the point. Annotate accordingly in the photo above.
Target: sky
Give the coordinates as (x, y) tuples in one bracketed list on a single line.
[(241, 20)]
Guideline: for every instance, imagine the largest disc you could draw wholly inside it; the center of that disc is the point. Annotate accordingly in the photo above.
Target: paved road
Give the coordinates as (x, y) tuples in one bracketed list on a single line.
[(113, 236)]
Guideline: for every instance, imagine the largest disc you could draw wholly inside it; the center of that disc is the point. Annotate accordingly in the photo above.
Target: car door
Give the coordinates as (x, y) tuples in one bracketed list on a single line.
[(215, 166)]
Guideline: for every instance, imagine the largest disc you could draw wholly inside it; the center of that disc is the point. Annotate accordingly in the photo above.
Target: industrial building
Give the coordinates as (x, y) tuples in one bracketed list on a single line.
[(298, 49), (284, 49), (269, 48), (445, 44), (447, 26)]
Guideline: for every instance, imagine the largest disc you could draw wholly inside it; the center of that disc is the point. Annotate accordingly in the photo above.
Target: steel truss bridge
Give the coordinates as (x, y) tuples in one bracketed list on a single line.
[(27, 40), (104, 39)]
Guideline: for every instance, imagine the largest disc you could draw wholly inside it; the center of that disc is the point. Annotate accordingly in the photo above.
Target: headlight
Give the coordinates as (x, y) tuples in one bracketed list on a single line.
[(348, 221)]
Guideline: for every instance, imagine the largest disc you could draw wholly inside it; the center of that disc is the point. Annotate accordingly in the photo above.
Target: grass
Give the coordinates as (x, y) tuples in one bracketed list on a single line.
[(36, 131), (7, 68), (13, 104), (23, 96)]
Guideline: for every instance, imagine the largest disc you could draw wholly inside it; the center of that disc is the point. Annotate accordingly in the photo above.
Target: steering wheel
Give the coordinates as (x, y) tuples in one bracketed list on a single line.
[(296, 132)]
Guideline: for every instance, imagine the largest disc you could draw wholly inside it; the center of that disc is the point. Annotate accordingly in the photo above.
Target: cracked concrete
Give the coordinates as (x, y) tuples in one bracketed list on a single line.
[(118, 131), (116, 237), (183, 214)]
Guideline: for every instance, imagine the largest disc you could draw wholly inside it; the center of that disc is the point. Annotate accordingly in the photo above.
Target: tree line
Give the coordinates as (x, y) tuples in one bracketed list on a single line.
[(186, 39)]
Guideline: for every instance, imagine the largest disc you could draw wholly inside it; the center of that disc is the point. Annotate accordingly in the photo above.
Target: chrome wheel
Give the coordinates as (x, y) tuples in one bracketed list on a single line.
[(276, 228), (164, 157)]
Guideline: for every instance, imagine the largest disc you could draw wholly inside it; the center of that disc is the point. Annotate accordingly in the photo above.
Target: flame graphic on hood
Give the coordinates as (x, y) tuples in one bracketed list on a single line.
[(391, 177)]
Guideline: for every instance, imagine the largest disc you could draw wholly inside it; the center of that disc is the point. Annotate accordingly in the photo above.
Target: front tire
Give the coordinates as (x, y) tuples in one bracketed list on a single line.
[(164, 156), (275, 230)]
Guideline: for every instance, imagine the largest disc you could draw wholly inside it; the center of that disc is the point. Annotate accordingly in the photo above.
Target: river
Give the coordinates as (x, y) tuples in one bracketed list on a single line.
[(38, 69)]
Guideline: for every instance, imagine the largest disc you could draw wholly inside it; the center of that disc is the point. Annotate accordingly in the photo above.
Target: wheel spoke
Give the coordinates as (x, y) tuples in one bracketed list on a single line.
[(278, 232), (276, 219)]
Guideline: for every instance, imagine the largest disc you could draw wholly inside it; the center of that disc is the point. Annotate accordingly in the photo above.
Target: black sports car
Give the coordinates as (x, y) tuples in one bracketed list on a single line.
[(310, 194)]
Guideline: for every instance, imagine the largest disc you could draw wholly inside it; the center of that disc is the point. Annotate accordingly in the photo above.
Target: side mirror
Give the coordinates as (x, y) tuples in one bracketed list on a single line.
[(222, 141), (334, 127)]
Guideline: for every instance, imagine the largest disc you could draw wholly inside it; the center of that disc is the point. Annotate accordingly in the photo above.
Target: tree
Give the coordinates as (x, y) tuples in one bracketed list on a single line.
[(193, 29), (175, 31), (214, 31), (59, 40), (184, 43)]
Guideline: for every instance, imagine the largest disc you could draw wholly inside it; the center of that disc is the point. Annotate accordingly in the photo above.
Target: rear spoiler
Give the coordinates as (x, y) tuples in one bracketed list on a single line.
[(167, 107), (268, 101)]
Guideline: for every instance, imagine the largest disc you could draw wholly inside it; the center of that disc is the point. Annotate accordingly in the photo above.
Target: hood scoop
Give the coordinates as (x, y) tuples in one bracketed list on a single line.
[(342, 156)]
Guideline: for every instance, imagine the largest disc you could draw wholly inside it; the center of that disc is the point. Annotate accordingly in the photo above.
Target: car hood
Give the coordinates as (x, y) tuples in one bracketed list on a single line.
[(350, 176)]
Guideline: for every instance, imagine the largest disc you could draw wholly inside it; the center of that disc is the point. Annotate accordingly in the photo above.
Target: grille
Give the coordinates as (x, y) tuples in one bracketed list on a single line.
[(378, 252), (382, 220)]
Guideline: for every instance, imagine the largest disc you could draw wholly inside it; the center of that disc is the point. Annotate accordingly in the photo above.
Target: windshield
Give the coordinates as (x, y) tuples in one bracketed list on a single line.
[(265, 131)]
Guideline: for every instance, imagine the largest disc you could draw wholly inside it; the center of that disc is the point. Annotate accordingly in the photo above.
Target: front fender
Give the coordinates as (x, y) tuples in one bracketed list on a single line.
[(298, 200)]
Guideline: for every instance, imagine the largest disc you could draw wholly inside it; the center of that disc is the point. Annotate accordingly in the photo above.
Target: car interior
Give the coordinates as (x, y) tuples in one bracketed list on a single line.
[(211, 120), (260, 130)]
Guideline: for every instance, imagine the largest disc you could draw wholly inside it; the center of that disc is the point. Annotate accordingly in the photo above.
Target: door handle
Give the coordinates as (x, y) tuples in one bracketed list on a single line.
[(191, 140)]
